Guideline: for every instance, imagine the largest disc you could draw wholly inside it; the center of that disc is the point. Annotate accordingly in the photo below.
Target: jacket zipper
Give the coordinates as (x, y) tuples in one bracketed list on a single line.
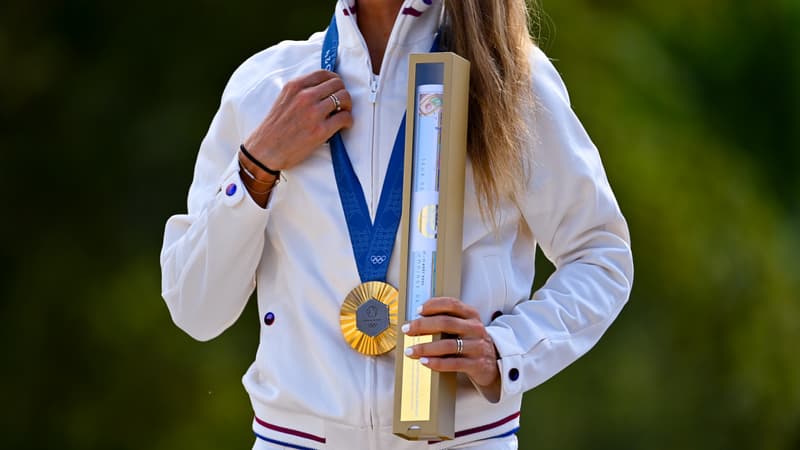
[(372, 365), (373, 97), (374, 89)]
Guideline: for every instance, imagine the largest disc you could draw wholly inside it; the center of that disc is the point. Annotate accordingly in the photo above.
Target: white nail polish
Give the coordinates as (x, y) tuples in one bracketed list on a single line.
[(419, 310), (405, 328), (409, 351), (424, 360)]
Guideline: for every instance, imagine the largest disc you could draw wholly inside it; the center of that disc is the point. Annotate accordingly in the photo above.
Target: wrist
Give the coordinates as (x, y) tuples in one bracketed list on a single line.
[(261, 162), (258, 184), (253, 175)]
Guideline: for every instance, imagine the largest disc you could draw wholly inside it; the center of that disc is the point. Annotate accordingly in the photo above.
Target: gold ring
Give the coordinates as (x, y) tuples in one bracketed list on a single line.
[(337, 105)]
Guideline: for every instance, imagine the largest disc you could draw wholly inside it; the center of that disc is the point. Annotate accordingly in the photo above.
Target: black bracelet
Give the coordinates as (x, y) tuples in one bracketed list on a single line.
[(274, 173)]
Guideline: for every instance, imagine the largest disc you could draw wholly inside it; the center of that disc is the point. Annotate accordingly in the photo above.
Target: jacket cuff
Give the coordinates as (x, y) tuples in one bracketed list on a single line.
[(233, 192), (510, 362)]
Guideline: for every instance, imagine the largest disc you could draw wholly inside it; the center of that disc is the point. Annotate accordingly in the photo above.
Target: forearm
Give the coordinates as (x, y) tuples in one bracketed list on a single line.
[(565, 318)]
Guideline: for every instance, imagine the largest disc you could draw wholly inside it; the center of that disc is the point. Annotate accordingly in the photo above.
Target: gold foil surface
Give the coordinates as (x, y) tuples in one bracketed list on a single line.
[(361, 342), (415, 402)]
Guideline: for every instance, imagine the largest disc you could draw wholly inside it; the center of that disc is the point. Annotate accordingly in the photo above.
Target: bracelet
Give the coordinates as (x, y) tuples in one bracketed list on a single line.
[(274, 173), (257, 192), (255, 179), (252, 177)]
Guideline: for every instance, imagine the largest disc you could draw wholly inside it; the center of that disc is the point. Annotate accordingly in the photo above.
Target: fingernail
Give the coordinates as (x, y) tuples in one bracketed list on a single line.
[(409, 351), (424, 361), (405, 328), (419, 310)]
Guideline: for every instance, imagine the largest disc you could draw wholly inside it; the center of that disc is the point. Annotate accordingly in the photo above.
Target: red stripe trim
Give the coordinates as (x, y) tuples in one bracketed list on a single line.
[(481, 428), (290, 431)]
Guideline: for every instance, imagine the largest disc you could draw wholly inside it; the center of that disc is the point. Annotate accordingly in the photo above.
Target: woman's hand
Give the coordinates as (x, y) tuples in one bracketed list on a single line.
[(478, 358), (303, 117)]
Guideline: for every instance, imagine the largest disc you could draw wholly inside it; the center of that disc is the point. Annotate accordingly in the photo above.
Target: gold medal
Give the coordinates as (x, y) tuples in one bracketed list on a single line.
[(368, 318)]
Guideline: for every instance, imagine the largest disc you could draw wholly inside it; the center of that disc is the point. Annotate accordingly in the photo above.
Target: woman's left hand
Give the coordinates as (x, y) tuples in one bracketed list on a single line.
[(478, 356)]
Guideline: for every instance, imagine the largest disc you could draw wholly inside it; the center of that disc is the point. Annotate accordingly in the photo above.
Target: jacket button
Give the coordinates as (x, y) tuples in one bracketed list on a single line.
[(513, 374), (230, 190), (497, 314), (269, 319)]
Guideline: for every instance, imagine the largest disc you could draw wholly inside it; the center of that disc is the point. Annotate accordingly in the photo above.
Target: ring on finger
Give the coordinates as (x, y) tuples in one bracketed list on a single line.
[(337, 104), (459, 345)]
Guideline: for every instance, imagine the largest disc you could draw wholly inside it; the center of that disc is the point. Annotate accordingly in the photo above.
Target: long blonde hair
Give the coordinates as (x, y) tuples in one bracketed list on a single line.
[(494, 36)]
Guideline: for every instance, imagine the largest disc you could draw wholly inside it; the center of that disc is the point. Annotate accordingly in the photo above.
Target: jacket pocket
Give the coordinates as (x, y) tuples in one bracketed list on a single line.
[(483, 285), (494, 269)]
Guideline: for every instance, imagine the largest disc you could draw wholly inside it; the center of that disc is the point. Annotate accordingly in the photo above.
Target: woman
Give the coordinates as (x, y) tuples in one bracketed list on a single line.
[(263, 211)]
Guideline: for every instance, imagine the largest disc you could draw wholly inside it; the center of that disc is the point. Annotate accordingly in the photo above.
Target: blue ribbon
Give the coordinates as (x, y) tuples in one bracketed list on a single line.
[(372, 243)]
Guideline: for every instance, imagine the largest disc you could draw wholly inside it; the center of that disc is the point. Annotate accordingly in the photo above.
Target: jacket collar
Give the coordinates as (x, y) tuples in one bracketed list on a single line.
[(418, 21)]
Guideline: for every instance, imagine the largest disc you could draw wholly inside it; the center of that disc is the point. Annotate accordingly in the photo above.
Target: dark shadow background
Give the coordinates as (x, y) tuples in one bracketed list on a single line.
[(693, 104)]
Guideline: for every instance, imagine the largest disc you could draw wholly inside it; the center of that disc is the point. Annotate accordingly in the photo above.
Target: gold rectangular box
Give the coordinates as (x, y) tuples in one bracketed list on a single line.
[(424, 405)]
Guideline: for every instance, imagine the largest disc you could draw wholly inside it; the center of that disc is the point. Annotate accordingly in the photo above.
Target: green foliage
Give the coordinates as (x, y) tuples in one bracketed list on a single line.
[(694, 106)]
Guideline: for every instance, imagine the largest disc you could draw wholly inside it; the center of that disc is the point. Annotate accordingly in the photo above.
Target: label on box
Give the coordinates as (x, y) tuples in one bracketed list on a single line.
[(424, 198)]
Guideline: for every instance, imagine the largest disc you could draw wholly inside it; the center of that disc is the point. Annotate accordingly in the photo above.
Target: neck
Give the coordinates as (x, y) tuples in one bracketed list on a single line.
[(375, 20)]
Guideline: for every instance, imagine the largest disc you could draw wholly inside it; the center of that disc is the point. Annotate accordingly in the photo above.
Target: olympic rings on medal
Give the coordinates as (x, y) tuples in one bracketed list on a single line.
[(337, 104)]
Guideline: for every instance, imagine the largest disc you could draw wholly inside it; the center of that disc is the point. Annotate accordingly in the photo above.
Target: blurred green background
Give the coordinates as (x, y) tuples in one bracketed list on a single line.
[(694, 105)]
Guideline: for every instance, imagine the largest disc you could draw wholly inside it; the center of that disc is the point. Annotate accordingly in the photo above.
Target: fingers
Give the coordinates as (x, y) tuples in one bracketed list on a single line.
[(326, 88), (483, 371), (478, 356), (478, 359), (445, 324), (450, 306), (315, 90), (336, 122), (327, 106), (447, 315), (300, 119), (449, 347), (451, 364), (313, 79), (446, 364), (320, 96)]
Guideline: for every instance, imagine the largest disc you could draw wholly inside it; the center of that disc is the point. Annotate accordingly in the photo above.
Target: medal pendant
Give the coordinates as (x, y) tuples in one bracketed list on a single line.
[(368, 318)]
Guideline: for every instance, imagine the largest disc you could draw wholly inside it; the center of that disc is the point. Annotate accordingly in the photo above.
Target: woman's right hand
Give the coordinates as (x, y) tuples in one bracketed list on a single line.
[(303, 118)]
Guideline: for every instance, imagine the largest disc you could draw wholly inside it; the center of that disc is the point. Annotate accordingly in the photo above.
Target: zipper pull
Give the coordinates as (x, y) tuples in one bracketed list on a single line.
[(373, 88)]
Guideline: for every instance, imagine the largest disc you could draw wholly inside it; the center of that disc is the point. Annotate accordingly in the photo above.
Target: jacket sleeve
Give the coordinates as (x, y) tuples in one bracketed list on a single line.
[(210, 255), (574, 217)]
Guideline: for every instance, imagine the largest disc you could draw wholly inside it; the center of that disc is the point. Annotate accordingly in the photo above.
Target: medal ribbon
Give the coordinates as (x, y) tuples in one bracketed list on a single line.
[(372, 243)]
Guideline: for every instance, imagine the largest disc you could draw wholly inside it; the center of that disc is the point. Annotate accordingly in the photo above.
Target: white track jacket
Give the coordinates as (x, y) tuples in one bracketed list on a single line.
[(308, 388)]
